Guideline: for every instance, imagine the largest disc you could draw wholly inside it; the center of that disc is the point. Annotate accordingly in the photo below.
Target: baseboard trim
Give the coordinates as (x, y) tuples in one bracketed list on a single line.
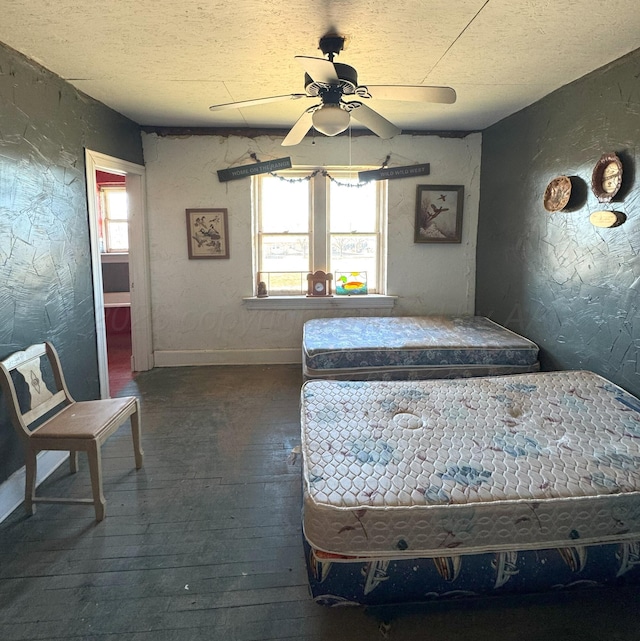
[(12, 490), (186, 358)]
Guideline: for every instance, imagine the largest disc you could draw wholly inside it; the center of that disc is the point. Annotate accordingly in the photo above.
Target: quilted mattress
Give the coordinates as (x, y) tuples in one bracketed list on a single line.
[(416, 347), (402, 469)]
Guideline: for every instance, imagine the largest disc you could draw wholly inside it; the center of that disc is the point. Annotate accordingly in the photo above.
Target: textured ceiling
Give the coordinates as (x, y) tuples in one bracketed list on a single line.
[(164, 62)]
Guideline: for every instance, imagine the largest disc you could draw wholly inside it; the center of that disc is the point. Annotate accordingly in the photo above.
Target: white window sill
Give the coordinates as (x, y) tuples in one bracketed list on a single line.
[(117, 299), (369, 301)]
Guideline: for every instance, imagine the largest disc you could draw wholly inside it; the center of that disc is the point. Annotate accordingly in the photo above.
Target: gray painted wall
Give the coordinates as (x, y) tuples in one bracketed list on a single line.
[(45, 267), (569, 286), (115, 277)]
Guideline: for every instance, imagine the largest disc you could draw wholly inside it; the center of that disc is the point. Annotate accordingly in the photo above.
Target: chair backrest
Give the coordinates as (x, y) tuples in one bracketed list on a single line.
[(42, 400)]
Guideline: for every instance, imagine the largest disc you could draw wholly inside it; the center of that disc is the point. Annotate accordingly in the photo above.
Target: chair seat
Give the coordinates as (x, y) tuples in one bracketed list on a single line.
[(86, 419)]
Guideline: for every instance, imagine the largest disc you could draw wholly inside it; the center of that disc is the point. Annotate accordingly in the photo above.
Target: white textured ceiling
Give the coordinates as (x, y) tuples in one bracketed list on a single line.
[(164, 62)]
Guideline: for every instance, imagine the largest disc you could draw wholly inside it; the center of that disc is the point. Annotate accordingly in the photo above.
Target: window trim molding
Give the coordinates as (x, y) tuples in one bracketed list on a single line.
[(319, 233)]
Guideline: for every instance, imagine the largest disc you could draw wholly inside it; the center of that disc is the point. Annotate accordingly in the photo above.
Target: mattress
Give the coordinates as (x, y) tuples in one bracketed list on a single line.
[(413, 347), (406, 469)]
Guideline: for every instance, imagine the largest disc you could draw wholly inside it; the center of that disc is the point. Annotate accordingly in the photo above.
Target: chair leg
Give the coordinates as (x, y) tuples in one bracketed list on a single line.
[(136, 433), (73, 461), (95, 469), (31, 469)]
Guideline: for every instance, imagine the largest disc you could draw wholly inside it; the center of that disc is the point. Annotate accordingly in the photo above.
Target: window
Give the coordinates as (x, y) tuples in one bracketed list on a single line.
[(115, 219), (327, 222)]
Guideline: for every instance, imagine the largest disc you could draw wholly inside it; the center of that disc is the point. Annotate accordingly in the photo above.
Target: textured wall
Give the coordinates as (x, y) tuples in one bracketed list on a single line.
[(571, 287), (197, 304), (45, 267)]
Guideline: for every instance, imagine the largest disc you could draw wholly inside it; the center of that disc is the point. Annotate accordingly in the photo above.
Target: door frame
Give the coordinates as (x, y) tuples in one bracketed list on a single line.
[(139, 278)]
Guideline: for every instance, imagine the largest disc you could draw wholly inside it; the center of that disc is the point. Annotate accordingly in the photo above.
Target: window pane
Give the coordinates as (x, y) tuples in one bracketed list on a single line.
[(355, 253), (284, 283), (116, 204), (117, 236), (284, 206), (285, 253), (353, 209)]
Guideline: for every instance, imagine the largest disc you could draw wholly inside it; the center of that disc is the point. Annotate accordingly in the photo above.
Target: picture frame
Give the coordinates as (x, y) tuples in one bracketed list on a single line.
[(207, 233), (439, 214)]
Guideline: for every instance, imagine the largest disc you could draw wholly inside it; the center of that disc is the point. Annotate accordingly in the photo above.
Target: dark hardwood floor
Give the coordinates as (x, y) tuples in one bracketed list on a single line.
[(119, 356), (204, 542)]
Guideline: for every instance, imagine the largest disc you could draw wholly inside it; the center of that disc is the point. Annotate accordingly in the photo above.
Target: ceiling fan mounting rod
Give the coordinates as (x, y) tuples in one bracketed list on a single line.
[(331, 45)]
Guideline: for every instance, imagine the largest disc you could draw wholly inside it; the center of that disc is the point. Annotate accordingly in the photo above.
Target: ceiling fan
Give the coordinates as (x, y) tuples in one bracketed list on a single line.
[(331, 82)]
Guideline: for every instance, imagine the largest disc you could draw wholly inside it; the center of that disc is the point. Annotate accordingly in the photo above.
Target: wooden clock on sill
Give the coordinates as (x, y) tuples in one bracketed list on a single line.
[(319, 284)]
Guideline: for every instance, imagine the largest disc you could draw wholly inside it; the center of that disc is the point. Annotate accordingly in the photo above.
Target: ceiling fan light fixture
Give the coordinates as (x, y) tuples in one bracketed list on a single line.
[(330, 119)]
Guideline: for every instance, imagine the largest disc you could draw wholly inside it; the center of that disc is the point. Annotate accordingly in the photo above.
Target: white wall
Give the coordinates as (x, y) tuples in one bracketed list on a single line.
[(197, 305)]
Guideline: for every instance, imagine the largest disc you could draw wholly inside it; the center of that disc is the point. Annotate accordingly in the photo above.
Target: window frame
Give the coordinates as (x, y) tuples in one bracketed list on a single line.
[(103, 190), (257, 218), (320, 217)]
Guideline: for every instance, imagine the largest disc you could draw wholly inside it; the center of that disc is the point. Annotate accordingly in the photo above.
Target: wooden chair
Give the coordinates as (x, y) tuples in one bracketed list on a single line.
[(75, 426)]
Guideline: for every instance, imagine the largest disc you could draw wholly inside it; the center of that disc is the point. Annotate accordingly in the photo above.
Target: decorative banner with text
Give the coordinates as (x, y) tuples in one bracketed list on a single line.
[(389, 173), (251, 170)]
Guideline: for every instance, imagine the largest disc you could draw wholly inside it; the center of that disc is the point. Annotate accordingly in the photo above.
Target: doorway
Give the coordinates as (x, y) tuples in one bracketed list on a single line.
[(122, 303), (113, 240)]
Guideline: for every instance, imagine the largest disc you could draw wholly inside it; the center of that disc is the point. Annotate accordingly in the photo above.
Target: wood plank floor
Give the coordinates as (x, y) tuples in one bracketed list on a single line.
[(204, 542), (119, 355)]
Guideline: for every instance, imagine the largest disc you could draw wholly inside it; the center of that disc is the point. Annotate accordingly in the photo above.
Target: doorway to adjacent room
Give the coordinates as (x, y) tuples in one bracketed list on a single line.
[(117, 222)]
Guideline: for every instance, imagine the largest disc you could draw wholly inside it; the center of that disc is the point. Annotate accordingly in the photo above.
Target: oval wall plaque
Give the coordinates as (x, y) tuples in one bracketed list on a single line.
[(557, 194), (607, 177), (607, 218)]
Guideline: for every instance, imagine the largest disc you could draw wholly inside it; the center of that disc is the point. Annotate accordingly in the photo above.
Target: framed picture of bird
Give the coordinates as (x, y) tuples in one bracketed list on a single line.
[(207, 233), (439, 214)]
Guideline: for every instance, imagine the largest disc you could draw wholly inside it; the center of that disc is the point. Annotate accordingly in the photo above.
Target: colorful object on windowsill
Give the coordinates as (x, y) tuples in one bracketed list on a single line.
[(351, 283)]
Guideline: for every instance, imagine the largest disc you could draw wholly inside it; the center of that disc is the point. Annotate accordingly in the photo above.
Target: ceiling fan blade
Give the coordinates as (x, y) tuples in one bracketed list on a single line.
[(319, 69), (258, 101), (300, 129), (373, 120), (412, 93)]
